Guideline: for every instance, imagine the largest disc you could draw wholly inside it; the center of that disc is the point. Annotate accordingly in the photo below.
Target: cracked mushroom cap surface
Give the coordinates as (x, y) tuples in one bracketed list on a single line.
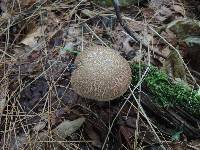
[(101, 74)]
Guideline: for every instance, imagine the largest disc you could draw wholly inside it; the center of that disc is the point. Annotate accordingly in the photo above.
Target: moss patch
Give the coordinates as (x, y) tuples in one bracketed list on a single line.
[(166, 92)]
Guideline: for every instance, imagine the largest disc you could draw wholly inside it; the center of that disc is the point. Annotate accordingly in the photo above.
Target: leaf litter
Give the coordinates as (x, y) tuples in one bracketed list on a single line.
[(39, 41)]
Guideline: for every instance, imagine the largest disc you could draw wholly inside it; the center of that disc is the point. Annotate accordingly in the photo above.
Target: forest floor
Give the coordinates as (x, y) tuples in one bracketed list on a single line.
[(39, 41)]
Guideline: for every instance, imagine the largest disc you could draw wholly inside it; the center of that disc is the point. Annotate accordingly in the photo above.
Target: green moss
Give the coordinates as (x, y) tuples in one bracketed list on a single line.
[(166, 92)]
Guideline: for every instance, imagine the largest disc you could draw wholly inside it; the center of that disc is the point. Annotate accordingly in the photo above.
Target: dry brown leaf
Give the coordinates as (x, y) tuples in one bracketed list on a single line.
[(95, 137), (137, 25), (163, 13), (89, 13), (39, 126), (27, 2), (3, 5), (179, 9), (31, 39), (63, 130), (148, 12), (156, 4), (66, 128)]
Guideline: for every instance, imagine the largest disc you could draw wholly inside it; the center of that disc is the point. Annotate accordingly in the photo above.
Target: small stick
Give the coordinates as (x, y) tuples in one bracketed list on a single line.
[(131, 33)]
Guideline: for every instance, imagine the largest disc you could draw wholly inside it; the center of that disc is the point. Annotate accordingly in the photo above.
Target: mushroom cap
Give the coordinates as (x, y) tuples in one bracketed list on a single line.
[(102, 74)]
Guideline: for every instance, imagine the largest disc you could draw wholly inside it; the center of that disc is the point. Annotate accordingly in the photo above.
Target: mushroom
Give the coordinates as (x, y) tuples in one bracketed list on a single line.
[(101, 74)]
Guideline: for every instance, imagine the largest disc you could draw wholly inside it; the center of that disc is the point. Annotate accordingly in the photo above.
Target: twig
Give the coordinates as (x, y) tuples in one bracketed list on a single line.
[(130, 32)]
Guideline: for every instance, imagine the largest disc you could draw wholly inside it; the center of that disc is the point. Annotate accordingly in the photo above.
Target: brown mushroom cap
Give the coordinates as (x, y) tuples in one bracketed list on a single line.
[(101, 74)]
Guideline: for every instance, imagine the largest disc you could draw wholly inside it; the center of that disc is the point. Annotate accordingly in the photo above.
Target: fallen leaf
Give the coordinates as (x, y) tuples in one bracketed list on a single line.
[(179, 9), (31, 39), (185, 27), (63, 130), (127, 133), (88, 13), (174, 66), (163, 13), (40, 126), (66, 128), (18, 142), (27, 2), (156, 4), (94, 136), (137, 25)]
